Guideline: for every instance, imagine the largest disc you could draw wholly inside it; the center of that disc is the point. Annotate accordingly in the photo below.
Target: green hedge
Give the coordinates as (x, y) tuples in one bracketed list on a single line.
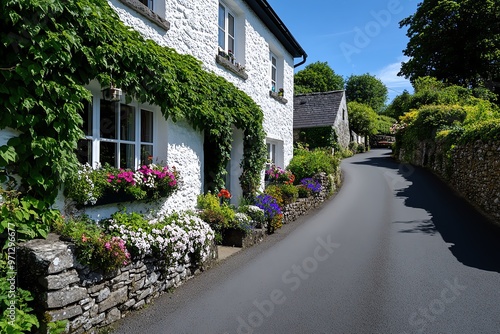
[(307, 163)]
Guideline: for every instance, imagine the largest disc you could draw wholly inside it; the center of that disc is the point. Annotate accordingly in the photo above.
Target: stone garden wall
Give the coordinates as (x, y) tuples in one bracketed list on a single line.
[(300, 207), (65, 290), (473, 170)]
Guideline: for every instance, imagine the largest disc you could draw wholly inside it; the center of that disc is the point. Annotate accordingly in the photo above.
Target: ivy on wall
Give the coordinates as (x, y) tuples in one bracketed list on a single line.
[(52, 48)]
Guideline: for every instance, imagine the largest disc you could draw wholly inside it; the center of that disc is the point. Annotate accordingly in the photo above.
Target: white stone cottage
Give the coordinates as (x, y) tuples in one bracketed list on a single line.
[(243, 41)]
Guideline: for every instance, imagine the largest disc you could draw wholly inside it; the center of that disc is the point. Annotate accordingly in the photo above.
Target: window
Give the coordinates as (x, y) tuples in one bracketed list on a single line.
[(84, 147), (275, 153), (271, 153), (117, 134), (226, 30), (274, 71), (147, 3)]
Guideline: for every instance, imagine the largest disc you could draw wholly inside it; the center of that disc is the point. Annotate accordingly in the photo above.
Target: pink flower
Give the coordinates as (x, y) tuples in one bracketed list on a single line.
[(107, 245)]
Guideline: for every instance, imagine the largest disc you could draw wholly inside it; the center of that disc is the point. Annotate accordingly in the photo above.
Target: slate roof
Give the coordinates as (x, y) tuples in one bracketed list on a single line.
[(316, 109)]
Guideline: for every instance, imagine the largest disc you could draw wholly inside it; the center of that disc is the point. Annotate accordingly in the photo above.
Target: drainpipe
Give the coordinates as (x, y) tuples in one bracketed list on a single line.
[(304, 57)]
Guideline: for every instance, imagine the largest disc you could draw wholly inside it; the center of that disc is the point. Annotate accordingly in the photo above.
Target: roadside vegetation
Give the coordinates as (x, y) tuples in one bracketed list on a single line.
[(444, 115)]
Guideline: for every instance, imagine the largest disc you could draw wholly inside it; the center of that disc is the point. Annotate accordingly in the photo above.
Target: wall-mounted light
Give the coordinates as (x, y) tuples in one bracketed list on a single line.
[(112, 94)]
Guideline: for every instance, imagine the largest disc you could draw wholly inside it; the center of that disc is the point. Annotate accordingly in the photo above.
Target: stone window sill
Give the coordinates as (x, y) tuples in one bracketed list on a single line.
[(277, 97), (147, 13), (240, 72)]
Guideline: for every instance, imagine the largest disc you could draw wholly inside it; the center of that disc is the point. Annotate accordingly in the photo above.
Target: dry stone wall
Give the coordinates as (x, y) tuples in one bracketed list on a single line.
[(66, 290), (473, 170), (302, 206)]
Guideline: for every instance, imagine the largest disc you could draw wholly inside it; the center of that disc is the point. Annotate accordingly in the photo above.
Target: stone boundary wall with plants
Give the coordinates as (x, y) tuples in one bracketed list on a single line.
[(66, 290), (472, 169), (302, 206)]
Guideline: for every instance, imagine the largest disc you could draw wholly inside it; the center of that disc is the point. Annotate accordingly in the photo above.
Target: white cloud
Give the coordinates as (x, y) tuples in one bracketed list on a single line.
[(395, 84)]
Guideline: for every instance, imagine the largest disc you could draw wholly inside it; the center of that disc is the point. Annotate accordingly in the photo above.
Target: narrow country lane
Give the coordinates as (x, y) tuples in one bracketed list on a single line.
[(395, 251)]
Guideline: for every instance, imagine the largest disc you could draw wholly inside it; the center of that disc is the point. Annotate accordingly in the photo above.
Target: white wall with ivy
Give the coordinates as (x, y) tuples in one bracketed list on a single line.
[(194, 31)]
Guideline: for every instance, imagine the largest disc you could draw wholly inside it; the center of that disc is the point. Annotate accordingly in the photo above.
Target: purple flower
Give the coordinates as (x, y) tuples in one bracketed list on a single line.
[(311, 184), (269, 205)]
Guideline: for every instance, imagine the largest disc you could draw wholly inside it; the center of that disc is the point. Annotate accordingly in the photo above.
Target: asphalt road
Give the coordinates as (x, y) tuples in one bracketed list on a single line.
[(395, 251)]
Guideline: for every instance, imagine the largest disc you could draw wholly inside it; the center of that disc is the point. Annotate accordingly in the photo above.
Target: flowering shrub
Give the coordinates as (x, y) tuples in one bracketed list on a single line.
[(309, 163), (88, 185), (278, 175), (274, 190), (277, 222), (93, 246), (397, 127), (180, 238), (244, 222), (311, 184), (255, 213), (212, 207), (269, 205)]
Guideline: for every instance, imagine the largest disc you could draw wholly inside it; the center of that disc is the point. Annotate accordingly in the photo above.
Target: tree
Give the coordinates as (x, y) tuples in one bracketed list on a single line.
[(399, 105), (317, 77), (362, 119), (383, 124), (455, 42), (366, 89)]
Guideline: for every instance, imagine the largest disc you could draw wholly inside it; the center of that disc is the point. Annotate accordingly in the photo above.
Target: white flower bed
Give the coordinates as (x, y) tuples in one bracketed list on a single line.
[(179, 239)]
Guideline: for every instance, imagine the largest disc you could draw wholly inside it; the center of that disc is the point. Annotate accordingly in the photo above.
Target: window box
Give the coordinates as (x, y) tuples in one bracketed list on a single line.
[(278, 97), (142, 9), (113, 198), (226, 62)]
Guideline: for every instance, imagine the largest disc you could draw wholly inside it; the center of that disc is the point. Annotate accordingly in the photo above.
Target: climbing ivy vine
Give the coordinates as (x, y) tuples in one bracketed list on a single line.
[(52, 48)]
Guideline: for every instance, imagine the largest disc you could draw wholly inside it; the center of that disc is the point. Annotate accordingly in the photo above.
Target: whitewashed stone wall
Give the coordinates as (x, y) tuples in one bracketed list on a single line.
[(193, 30)]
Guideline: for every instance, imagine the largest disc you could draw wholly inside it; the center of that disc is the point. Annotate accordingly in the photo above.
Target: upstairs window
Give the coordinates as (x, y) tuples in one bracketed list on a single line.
[(226, 30), (274, 72), (147, 3)]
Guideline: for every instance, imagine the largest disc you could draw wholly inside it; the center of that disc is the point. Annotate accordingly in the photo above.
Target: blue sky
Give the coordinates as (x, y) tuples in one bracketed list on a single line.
[(353, 36)]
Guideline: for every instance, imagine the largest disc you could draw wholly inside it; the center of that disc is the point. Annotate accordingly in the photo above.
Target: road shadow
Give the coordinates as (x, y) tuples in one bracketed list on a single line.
[(475, 240)]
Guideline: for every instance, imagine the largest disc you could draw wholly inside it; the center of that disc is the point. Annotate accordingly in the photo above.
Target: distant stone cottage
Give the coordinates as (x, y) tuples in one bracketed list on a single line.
[(326, 109)]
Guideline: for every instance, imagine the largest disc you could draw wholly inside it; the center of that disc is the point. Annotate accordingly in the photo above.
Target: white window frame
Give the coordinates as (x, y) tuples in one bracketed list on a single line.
[(229, 23), (273, 63), (275, 152), (271, 153), (277, 81), (94, 138), (148, 3)]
